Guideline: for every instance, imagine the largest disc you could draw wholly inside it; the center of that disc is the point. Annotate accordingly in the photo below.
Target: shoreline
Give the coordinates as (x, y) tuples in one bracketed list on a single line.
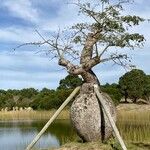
[(32, 115), (123, 111)]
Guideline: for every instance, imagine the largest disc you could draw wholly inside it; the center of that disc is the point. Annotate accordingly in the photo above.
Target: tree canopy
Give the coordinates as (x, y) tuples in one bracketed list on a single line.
[(114, 92), (146, 94), (70, 82), (105, 27), (132, 84)]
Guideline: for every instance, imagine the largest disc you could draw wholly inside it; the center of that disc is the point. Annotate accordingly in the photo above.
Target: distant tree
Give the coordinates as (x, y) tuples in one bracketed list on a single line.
[(132, 84), (46, 91), (2, 98), (146, 94), (70, 82), (2, 101), (13, 91), (113, 91), (28, 92), (62, 95), (50, 99), (9, 103), (6, 99), (23, 97), (2, 92), (43, 99), (124, 87)]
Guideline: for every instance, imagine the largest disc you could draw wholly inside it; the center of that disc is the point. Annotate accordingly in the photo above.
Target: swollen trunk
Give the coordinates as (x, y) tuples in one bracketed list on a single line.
[(87, 114)]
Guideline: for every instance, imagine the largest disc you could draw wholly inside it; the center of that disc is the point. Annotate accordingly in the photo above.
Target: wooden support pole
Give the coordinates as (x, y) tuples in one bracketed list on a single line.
[(112, 123), (52, 118)]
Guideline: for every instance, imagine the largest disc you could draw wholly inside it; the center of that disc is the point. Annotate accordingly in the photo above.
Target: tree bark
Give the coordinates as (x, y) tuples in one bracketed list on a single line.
[(87, 115), (135, 100), (126, 96)]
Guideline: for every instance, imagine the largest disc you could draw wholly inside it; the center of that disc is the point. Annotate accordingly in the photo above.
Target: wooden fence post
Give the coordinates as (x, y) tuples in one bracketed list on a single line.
[(112, 123), (52, 118)]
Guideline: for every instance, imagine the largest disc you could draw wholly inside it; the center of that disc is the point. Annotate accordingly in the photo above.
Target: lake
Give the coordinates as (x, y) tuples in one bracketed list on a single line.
[(16, 135)]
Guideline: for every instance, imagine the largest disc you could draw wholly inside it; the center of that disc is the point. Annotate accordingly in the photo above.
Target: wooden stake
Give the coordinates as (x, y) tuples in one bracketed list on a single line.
[(52, 118), (112, 123)]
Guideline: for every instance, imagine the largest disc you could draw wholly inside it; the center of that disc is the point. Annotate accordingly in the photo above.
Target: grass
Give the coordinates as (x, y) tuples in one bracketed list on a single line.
[(134, 126), (85, 146), (82, 146), (32, 115), (133, 122)]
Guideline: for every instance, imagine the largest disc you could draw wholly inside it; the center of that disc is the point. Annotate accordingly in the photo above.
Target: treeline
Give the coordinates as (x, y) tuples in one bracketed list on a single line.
[(38, 100), (133, 85)]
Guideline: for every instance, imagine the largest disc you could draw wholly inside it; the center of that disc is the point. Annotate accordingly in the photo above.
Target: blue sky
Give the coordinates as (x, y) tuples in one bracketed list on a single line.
[(25, 68)]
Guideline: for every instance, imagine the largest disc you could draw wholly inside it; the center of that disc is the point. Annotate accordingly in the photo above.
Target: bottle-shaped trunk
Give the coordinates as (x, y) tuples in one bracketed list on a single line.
[(87, 115)]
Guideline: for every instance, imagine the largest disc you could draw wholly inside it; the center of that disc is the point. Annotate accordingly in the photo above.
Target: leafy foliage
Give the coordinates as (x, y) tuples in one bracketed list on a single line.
[(110, 23), (146, 93), (70, 82), (44, 99), (113, 91), (51, 99), (132, 84)]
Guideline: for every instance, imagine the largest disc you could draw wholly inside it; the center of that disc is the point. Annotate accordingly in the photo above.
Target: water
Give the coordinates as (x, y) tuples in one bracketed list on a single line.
[(17, 135)]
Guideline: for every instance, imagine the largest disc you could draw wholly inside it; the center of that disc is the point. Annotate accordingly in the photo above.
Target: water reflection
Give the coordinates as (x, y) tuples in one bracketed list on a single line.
[(18, 134)]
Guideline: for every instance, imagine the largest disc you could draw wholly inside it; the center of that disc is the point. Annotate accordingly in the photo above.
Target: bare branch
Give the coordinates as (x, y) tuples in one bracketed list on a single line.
[(104, 50), (30, 43), (114, 57), (40, 35), (119, 59), (52, 44)]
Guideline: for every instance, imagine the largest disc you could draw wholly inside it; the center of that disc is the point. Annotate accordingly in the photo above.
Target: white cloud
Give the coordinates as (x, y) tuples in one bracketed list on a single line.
[(108, 73), (139, 1), (45, 77), (28, 70), (21, 35), (27, 61), (66, 17), (13, 84), (22, 9)]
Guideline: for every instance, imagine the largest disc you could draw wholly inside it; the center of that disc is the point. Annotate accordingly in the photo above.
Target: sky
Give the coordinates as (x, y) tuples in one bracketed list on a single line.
[(25, 67)]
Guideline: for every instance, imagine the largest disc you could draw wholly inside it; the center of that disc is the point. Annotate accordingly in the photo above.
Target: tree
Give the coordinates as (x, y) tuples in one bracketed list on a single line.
[(43, 99), (114, 92), (146, 93), (132, 84), (70, 82), (50, 99), (28, 93), (90, 43), (6, 99)]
